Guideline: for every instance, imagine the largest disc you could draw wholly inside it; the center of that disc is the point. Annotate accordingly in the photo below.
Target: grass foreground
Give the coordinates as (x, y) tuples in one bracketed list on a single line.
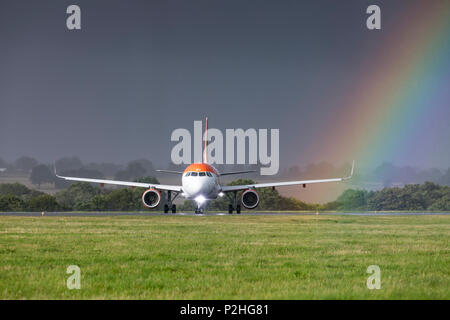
[(225, 257)]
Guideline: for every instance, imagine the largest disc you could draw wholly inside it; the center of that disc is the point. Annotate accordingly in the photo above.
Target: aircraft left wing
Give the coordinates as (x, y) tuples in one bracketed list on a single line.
[(285, 183), (125, 183)]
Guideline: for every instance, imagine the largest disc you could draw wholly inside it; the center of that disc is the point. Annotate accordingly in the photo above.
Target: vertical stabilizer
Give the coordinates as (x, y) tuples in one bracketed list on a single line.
[(205, 149)]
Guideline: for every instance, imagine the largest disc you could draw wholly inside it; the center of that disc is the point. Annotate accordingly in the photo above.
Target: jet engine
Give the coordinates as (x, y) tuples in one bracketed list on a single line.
[(151, 198), (250, 199)]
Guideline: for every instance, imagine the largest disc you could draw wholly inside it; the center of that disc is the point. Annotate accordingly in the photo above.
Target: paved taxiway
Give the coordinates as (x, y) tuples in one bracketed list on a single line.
[(108, 214)]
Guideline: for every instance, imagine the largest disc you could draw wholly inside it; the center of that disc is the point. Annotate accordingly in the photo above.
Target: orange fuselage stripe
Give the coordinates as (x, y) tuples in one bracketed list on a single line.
[(196, 167)]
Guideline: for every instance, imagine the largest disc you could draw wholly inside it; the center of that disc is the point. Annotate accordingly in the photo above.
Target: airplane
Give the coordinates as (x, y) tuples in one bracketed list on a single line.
[(201, 182)]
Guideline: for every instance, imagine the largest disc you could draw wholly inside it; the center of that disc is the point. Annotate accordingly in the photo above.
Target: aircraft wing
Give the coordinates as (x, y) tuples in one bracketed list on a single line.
[(284, 183), (125, 183)]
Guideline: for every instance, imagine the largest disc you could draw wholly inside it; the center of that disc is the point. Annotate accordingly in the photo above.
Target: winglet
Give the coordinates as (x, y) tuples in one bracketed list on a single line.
[(54, 168), (351, 171), (353, 167)]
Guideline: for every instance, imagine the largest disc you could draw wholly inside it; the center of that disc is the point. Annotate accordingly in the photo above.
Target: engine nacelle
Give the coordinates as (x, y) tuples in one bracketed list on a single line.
[(250, 199), (151, 198)]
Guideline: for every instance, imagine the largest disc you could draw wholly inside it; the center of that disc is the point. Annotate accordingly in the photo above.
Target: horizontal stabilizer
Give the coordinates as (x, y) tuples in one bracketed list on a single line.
[(236, 172), (170, 171)]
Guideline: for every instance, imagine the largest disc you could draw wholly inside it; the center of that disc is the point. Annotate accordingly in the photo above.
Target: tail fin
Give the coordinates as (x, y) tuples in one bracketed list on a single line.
[(205, 149)]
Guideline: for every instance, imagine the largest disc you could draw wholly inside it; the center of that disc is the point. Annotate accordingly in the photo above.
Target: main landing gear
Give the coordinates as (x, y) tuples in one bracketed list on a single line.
[(231, 209), (169, 205), (173, 208), (233, 204)]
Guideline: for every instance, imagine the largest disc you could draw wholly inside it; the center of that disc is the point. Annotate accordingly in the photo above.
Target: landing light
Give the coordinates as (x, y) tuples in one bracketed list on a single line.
[(221, 194), (200, 199)]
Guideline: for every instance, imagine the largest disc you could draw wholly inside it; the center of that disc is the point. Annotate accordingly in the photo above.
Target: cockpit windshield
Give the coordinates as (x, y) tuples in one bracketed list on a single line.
[(200, 174)]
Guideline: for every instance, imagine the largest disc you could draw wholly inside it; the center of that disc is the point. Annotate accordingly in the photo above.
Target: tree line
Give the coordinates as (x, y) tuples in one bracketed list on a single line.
[(86, 197), (428, 196)]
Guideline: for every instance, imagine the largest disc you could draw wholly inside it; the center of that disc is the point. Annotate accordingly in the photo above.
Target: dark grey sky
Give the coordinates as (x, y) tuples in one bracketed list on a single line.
[(137, 70)]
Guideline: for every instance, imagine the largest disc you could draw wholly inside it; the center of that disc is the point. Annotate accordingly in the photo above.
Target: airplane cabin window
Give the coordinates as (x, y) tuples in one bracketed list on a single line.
[(194, 174), (202, 174)]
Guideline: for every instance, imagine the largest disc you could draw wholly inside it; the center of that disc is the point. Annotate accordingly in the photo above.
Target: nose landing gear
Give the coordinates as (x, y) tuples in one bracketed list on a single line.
[(199, 210)]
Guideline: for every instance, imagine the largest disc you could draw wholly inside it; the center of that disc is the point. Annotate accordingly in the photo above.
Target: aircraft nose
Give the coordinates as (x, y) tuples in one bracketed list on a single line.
[(192, 187), (196, 188)]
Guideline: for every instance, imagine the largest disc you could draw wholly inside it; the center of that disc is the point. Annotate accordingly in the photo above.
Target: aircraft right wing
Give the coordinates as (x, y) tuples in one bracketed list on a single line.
[(284, 183)]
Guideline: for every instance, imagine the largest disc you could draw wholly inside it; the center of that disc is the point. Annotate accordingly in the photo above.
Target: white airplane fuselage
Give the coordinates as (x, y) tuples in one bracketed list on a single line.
[(201, 180)]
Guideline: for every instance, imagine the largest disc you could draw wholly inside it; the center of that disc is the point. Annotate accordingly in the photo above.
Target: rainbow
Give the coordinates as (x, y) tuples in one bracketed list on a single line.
[(380, 119)]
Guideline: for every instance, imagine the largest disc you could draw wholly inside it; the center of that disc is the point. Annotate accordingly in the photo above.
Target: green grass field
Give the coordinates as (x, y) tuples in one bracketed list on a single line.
[(225, 257)]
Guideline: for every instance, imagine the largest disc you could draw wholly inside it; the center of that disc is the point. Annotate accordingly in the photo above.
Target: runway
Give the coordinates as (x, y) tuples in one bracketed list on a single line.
[(115, 214)]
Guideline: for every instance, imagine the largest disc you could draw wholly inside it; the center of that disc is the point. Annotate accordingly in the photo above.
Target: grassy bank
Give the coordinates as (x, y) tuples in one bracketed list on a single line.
[(225, 257)]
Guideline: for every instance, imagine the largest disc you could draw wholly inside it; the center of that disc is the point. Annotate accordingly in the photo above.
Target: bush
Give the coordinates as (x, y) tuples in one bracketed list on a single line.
[(43, 202), (353, 200), (16, 189), (442, 204), (121, 200), (11, 202), (78, 196)]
